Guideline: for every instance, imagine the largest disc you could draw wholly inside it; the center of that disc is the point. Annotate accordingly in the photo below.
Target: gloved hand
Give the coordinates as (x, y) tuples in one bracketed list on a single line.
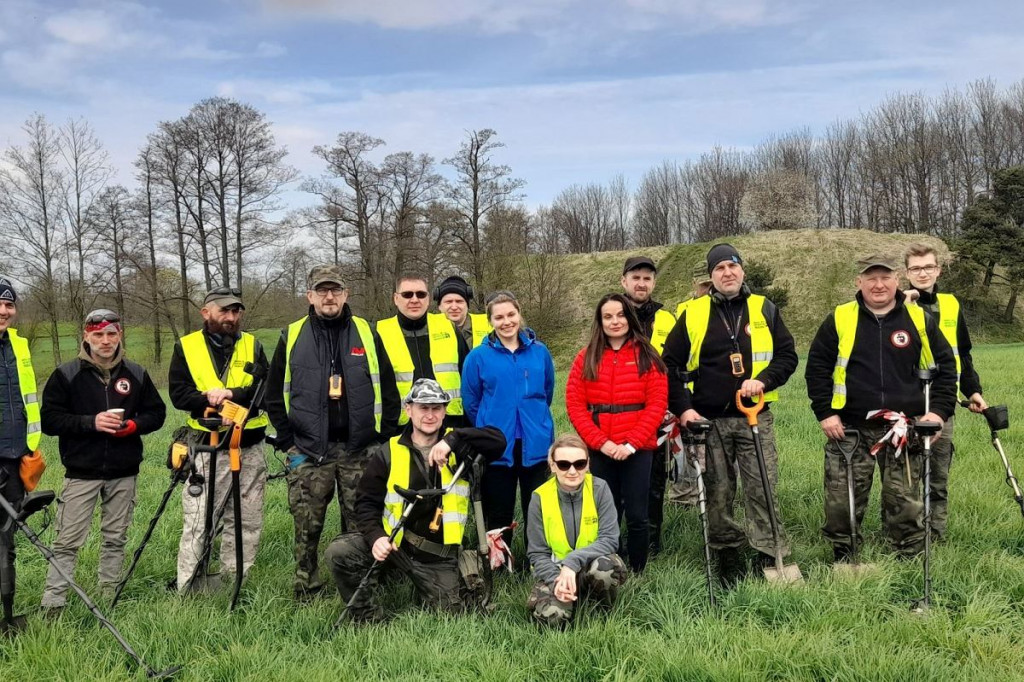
[(127, 429)]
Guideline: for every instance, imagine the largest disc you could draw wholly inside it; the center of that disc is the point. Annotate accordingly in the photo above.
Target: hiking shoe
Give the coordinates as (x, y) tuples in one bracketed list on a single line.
[(307, 594), (51, 613), (730, 566), (842, 554)]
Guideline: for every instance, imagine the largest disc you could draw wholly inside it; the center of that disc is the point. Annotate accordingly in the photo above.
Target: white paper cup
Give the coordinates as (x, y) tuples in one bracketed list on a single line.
[(117, 412)]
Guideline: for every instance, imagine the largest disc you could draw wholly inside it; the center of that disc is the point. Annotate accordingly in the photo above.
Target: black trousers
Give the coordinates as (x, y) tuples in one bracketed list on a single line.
[(630, 484), (656, 499), (498, 490), (13, 490)]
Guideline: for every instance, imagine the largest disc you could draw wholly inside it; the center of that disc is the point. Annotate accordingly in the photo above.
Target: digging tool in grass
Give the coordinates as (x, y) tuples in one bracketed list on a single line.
[(412, 498), (698, 430), (40, 500), (781, 573), (998, 418), (854, 566)]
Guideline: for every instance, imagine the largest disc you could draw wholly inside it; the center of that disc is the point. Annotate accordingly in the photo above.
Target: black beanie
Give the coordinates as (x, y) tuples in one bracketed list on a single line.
[(721, 252), (454, 285), (7, 292)]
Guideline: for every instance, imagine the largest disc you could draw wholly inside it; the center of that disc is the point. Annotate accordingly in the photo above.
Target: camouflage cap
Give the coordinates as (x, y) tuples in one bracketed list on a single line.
[(877, 260), (325, 274), (427, 392)]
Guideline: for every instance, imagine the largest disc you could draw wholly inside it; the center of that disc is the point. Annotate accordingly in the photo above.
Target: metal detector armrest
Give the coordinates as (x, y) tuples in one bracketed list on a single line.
[(35, 501), (998, 417), (924, 428), (211, 423), (698, 426)]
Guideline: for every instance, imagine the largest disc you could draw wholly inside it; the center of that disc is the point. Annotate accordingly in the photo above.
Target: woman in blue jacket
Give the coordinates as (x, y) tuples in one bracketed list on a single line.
[(508, 381)]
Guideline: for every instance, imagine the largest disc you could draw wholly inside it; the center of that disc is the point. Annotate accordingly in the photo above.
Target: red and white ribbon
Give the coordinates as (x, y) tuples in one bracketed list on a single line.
[(895, 436), (671, 431), (498, 551)]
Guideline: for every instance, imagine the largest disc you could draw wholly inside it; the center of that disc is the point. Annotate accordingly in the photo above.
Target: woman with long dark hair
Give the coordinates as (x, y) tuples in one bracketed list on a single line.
[(616, 398)]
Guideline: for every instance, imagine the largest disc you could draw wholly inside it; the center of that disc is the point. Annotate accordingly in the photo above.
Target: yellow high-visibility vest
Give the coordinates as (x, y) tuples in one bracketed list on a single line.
[(663, 323), (949, 317), (369, 346), (27, 386), (846, 327), (454, 504), (481, 327), (554, 524), (204, 374), (444, 357), (762, 345)]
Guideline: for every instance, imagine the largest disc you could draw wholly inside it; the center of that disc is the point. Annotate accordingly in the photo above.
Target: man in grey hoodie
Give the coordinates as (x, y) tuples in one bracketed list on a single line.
[(572, 536)]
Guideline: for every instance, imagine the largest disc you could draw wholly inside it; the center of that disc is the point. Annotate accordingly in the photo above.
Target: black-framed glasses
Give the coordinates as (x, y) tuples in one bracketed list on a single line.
[(334, 291), (102, 315), (225, 291), (407, 295), (926, 269), (577, 464)]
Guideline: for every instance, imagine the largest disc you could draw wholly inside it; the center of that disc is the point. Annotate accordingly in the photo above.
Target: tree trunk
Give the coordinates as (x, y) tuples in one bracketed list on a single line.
[(990, 270), (1011, 305)]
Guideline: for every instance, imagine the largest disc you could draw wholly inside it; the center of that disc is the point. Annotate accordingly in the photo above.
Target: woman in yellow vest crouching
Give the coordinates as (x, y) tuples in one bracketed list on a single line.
[(572, 536)]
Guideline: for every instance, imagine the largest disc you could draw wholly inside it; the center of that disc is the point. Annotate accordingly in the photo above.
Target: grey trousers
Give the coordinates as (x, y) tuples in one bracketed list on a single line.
[(253, 481), (74, 519)]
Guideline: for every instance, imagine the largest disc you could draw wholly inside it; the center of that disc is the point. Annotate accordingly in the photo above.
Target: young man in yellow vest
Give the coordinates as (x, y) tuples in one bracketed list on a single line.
[(731, 340), (19, 427), (423, 345), (865, 357), (639, 274), (330, 396), (452, 297), (207, 369), (426, 549), (923, 269)]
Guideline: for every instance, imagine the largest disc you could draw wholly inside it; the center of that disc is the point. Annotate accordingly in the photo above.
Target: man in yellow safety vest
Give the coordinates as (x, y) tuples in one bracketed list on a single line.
[(452, 297)]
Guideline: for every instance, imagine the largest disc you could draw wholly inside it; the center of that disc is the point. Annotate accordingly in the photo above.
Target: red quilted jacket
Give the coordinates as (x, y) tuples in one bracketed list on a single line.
[(618, 383)]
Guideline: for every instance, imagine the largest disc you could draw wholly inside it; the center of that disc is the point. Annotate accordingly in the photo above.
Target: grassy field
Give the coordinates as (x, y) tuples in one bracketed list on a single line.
[(662, 628)]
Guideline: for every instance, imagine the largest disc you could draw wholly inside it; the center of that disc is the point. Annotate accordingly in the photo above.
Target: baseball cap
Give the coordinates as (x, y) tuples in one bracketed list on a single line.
[(634, 262), (877, 260), (224, 297), (325, 274)]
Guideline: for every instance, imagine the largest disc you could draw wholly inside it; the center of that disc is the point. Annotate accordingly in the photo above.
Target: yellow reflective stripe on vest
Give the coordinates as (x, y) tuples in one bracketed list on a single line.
[(949, 317), (27, 386), (454, 504), (480, 327), (846, 316), (204, 374), (663, 323), (762, 345), (444, 358), (372, 361), (554, 524)]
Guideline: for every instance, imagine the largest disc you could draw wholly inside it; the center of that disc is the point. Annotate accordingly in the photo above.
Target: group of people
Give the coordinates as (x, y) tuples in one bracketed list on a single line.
[(367, 410)]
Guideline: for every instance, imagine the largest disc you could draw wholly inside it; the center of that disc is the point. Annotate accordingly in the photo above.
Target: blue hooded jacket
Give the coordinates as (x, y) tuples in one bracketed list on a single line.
[(498, 384)]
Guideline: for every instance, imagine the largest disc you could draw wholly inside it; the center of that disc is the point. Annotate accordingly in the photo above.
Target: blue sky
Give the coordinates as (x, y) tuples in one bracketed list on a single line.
[(579, 90)]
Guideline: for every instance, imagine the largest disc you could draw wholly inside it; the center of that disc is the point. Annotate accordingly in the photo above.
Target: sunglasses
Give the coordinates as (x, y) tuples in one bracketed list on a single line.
[(226, 291), (102, 316), (565, 465), (409, 294)]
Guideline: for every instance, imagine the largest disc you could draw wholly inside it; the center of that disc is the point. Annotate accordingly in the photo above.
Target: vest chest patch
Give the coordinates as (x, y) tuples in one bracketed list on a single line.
[(123, 386), (440, 336), (949, 323), (900, 338), (358, 352)]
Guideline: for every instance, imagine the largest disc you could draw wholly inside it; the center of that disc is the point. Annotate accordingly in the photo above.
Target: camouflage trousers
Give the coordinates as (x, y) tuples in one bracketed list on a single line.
[(310, 491), (684, 489), (436, 583), (902, 505), (252, 481), (601, 579), (730, 459), (942, 460)]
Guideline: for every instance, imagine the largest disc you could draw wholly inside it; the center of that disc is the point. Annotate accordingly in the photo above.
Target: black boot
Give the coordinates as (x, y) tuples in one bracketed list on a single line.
[(731, 567), (842, 554)]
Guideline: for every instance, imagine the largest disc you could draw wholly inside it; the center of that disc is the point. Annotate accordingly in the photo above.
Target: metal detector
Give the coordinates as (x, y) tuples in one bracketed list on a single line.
[(42, 499), (998, 418), (926, 430), (697, 435), (412, 498)]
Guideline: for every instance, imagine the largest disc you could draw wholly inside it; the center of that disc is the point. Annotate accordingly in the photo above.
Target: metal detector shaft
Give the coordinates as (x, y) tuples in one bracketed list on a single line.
[(176, 478), (702, 505), (52, 560), (1010, 478)]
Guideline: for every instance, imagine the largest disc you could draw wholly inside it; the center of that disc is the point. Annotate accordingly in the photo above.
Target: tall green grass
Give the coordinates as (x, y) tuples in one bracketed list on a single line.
[(832, 628)]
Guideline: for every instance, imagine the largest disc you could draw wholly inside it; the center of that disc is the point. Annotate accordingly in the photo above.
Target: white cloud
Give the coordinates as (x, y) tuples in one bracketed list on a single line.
[(90, 28)]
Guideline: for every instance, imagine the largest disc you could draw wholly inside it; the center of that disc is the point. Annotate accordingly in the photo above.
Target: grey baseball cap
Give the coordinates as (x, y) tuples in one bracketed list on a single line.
[(427, 392)]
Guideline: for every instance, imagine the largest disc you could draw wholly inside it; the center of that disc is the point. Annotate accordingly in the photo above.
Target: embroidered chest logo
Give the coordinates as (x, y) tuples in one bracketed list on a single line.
[(123, 386), (900, 338), (359, 352)]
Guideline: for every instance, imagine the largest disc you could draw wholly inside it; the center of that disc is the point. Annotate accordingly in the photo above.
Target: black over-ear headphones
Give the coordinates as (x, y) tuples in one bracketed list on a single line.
[(436, 293), (719, 298)]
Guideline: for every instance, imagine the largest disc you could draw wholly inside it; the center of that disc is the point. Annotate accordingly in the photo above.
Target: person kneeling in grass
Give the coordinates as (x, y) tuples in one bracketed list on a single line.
[(572, 536)]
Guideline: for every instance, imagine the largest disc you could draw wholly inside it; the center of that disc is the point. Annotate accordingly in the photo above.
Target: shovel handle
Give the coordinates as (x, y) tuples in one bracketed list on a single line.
[(750, 412)]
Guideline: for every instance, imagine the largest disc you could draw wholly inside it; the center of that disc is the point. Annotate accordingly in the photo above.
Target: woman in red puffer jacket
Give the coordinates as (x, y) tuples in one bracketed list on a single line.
[(616, 398)]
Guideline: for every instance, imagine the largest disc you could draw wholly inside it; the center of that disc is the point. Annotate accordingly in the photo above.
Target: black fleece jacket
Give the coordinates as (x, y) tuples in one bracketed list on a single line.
[(645, 313), (69, 411), (970, 382), (715, 387), (369, 506), (186, 396), (882, 371)]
